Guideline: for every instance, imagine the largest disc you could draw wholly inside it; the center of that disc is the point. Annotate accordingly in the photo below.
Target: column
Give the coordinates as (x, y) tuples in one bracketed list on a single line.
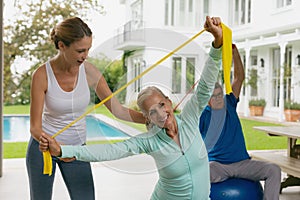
[(247, 87), (281, 85)]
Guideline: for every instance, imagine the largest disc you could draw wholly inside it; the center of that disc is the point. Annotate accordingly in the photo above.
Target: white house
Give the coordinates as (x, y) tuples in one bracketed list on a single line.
[(267, 34)]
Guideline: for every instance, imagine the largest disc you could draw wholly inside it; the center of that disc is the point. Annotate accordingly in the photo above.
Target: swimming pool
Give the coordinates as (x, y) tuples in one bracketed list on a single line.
[(17, 129)]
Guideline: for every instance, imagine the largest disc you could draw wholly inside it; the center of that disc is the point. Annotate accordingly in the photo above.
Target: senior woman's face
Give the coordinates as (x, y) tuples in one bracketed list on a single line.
[(159, 110)]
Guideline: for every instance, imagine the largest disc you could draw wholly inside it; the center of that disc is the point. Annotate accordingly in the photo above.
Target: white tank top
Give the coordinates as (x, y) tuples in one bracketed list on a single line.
[(61, 108)]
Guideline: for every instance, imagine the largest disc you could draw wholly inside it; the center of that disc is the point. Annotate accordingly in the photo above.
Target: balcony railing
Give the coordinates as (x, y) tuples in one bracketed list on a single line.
[(132, 34)]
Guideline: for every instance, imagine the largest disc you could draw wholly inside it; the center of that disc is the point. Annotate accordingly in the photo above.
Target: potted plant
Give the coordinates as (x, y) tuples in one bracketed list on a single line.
[(292, 111), (257, 107)]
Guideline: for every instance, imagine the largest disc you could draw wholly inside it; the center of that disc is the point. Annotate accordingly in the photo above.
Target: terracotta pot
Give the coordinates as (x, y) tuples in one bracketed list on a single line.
[(292, 115), (256, 110)]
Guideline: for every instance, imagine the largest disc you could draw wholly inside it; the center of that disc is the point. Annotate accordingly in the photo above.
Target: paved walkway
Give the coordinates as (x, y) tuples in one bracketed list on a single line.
[(127, 179), (131, 178)]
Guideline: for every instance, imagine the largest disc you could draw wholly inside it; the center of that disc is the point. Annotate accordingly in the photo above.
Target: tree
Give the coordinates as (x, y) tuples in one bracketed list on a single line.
[(113, 73), (28, 37)]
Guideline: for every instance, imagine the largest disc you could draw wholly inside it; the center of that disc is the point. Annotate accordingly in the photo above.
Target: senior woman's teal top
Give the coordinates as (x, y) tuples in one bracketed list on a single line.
[(183, 172)]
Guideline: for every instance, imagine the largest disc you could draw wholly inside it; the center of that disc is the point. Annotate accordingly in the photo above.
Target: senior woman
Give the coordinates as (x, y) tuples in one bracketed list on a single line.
[(173, 141)]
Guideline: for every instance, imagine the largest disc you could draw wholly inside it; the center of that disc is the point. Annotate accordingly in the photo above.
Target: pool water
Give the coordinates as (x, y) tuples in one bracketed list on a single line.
[(17, 129)]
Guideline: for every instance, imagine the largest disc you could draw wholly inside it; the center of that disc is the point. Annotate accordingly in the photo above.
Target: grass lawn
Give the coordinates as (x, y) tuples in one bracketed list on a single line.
[(19, 109), (255, 140), (258, 140)]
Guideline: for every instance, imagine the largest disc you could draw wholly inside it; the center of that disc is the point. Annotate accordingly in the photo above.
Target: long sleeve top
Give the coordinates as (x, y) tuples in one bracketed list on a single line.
[(183, 172)]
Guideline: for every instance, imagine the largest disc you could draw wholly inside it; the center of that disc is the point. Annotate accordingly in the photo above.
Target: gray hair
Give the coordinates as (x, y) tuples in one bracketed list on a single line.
[(218, 85), (145, 94)]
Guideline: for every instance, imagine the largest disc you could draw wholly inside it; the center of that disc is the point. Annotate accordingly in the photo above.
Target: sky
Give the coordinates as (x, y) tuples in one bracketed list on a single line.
[(103, 26)]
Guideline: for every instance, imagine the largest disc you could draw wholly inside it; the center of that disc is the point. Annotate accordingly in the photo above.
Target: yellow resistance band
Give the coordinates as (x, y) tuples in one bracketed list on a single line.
[(227, 57), (226, 60), (46, 155)]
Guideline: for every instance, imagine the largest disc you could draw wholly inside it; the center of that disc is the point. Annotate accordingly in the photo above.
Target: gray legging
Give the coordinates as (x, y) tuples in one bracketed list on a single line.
[(250, 169), (77, 176)]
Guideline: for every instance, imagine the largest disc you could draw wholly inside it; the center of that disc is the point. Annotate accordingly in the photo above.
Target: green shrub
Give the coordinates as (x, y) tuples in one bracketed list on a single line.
[(292, 105), (257, 102)]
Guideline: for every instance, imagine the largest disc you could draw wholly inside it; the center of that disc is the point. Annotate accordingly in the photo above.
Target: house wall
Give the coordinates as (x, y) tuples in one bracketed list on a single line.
[(154, 13), (220, 9), (270, 28), (155, 49)]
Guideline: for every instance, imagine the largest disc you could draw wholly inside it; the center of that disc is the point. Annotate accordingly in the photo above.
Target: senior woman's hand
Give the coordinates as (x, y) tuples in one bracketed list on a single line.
[(213, 25), (46, 142)]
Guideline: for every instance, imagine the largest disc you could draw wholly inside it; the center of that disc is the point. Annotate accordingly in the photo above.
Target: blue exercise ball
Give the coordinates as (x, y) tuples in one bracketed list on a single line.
[(236, 189)]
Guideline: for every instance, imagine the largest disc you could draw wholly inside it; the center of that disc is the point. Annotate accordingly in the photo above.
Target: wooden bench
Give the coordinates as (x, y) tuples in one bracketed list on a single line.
[(287, 164), (283, 159)]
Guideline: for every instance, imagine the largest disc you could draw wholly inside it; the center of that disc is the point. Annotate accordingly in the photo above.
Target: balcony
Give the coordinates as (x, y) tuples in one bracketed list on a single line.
[(130, 36)]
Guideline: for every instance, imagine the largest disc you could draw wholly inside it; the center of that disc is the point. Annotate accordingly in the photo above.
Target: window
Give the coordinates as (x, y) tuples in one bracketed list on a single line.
[(191, 6), (190, 72), (249, 12), (176, 75), (180, 13), (275, 76), (190, 18), (287, 75), (166, 12), (253, 76), (137, 15), (243, 57), (253, 60), (252, 81), (283, 3), (242, 12), (137, 69), (169, 12), (205, 8)]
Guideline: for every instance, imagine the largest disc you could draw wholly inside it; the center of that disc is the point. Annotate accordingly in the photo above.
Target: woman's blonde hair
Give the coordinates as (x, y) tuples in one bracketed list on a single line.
[(143, 95)]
